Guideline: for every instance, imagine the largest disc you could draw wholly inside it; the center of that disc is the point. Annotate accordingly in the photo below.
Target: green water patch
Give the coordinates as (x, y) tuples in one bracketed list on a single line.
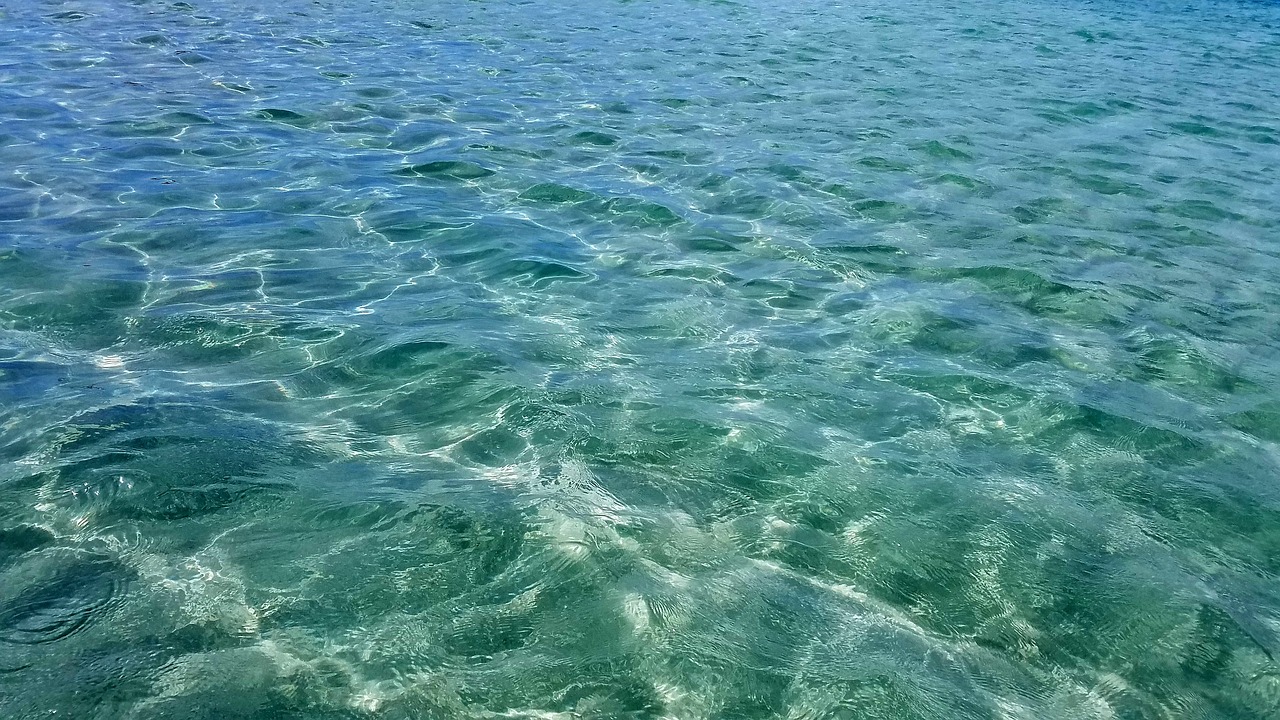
[(974, 185), (285, 117), (538, 273), (445, 170), (593, 138), (629, 211), (883, 210), (876, 162), (90, 323), (1197, 210), (942, 151), (1032, 291), (1262, 421)]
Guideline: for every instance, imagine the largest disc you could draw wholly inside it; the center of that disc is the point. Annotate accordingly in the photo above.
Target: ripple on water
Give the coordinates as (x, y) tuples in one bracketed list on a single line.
[(52, 595), (164, 462)]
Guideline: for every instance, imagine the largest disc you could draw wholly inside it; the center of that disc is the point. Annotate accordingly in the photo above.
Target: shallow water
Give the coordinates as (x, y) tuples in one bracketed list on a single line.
[(685, 359)]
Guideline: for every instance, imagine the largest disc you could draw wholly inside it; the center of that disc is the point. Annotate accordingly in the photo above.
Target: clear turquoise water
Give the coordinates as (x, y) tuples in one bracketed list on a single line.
[(680, 359)]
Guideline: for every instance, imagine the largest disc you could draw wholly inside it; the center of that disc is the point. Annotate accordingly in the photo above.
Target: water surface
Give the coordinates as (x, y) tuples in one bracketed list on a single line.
[(672, 359)]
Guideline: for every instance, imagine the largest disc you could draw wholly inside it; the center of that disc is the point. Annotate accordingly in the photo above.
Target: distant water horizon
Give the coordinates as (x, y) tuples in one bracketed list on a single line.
[(689, 359)]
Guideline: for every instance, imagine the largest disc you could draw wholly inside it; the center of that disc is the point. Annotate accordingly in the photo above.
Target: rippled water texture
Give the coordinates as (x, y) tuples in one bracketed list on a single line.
[(674, 359)]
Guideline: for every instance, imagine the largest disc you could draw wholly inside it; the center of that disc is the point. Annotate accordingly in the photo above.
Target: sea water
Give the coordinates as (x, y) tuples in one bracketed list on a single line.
[(655, 359)]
